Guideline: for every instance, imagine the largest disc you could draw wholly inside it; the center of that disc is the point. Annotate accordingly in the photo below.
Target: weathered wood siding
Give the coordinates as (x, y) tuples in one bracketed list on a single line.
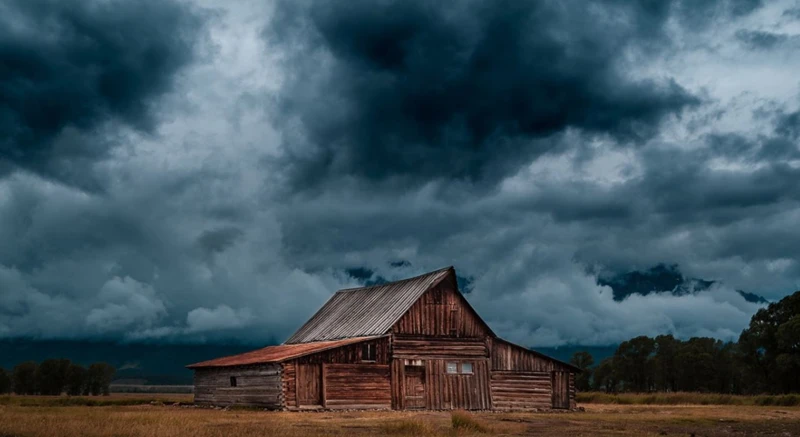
[(507, 356), (258, 385), (309, 385), (350, 354), (290, 384), (535, 374), (422, 347), (357, 386), (441, 312), (521, 390), (445, 391), (369, 381)]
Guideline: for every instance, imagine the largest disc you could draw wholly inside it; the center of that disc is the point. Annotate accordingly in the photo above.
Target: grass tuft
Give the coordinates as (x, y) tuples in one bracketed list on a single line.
[(463, 421), (407, 428)]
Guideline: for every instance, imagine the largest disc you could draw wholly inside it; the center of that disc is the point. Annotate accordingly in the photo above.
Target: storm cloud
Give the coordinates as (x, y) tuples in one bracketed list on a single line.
[(71, 67), (426, 89), (186, 171)]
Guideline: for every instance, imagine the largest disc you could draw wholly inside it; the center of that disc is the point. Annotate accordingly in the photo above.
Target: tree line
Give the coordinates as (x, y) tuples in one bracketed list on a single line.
[(57, 376), (765, 359)]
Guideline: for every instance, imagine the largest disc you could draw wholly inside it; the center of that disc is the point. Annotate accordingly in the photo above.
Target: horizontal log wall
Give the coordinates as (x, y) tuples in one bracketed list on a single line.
[(441, 312), (521, 390), (350, 353), (418, 347), (357, 386), (255, 385)]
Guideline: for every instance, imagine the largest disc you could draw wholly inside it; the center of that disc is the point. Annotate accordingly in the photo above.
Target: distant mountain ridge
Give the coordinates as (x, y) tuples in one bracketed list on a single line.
[(146, 363), (663, 278)]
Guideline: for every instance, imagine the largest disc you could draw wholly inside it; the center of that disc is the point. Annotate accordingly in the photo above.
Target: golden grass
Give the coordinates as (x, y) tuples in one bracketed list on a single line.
[(19, 419), (117, 399), (685, 398), (465, 422)]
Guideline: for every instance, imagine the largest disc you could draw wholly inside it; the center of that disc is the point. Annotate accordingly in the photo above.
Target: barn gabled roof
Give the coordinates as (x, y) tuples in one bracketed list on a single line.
[(277, 354), (366, 311)]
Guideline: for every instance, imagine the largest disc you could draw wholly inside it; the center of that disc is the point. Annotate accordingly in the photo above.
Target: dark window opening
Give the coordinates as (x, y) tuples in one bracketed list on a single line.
[(233, 381), (368, 352), (436, 294)]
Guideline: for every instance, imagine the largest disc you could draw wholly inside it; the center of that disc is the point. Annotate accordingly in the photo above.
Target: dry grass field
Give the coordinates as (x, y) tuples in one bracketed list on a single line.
[(156, 415)]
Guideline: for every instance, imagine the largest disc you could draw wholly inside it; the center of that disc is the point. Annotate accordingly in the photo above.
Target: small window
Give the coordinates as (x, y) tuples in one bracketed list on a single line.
[(466, 367), (368, 352), (452, 367), (233, 381)]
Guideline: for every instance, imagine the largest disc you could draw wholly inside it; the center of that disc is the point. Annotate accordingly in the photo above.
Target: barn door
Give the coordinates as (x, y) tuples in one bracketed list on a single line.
[(560, 390), (414, 387), (309, 384)]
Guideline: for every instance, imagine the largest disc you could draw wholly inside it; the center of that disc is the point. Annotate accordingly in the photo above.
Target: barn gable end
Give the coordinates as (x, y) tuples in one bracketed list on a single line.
[(442, 312)]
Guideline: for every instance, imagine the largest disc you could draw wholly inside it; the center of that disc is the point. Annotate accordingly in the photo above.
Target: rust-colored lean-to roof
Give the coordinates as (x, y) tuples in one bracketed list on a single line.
[(276, 354), (366, 311)]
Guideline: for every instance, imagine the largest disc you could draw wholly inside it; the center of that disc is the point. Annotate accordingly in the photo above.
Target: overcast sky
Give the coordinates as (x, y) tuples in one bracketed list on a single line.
[(186, 171)]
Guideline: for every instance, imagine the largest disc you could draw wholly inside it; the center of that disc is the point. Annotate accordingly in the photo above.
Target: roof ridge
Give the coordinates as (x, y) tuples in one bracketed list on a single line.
[(394, 282)]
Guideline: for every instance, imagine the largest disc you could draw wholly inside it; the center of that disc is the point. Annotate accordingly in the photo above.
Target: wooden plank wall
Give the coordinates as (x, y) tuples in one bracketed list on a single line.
[(510, 357), (350, 353), (420, 347), (397, 374), (290, 384), (444, 391), (573, 392), (437, 312), (309, 385), (512, 390), (255, 385), (357, 386), (449, 392)]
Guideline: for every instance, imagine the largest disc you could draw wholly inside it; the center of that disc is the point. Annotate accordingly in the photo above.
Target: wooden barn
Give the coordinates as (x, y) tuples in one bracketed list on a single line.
[(410, 344)]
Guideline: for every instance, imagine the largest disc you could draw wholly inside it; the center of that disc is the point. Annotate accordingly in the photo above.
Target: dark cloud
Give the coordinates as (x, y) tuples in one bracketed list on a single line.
[(218, 240), (761, 40), (70, 67), (426, 89), (793, 13), (541, 135), (788, 126)]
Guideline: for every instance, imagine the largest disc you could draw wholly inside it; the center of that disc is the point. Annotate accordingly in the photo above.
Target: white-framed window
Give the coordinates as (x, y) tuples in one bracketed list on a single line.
[(456, 368)]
